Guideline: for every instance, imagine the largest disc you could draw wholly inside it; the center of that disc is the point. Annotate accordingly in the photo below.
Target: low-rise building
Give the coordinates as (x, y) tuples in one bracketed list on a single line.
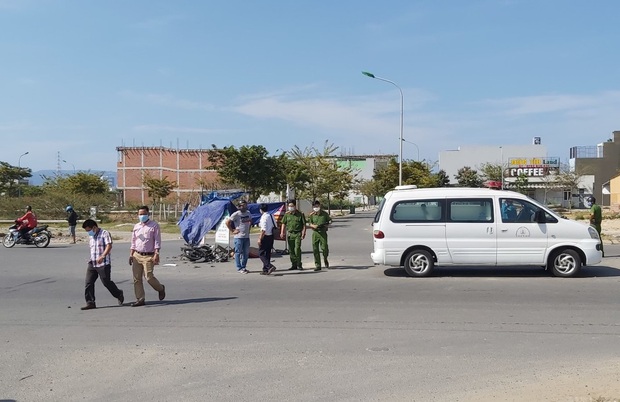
[(188, 168), (602, 163)]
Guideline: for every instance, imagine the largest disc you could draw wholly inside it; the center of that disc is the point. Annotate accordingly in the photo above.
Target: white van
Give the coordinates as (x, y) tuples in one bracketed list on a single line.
[(421, 228)]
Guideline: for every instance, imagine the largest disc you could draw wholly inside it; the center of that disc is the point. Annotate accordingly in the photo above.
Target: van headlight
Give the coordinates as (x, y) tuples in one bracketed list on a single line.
[(593, 233)]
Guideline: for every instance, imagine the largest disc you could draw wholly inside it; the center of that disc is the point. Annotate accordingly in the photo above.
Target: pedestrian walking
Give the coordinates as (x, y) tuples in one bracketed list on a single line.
[(596, 219), (318, 221), (72, 219), (99, 264), (144, 255), (265, 239), (294, 226), (239, 224)]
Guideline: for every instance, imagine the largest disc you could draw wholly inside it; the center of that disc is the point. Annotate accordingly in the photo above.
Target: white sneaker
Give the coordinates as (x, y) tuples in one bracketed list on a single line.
[(243, 271)]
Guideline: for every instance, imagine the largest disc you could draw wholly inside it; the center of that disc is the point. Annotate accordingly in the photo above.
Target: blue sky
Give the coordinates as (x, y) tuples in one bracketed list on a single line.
[(80, 78)]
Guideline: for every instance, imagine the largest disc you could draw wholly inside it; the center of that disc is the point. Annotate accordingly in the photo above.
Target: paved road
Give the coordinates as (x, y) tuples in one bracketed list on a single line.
[(355, 332)]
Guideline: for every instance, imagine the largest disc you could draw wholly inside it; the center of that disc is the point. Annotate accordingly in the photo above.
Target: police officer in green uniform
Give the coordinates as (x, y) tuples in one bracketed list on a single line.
[(318, 221), (294, 225), (596, 217)]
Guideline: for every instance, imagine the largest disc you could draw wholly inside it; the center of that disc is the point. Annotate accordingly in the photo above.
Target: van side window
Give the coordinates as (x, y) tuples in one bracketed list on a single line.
[(521, 211), (510, 208), (470, 210), (418, 211)]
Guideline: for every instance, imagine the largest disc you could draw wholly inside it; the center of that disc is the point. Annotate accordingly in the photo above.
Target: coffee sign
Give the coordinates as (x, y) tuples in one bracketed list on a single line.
[(532, 167)]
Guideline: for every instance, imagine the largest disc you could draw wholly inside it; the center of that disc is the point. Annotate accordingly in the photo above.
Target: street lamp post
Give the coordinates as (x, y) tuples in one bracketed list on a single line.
[(19, 165), (71, 165), (416, 147), (400, 156)]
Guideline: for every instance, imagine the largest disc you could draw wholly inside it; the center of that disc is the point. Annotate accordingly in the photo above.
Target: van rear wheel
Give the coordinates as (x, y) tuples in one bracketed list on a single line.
[(564, 263), (419, 263)]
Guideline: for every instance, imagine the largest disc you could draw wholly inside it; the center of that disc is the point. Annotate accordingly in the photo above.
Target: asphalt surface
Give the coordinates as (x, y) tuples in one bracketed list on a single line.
[(355, 332)]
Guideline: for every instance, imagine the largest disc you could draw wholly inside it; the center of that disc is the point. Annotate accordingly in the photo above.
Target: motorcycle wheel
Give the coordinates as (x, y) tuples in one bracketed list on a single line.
[(9, 241), (193, 254), (41, 240)]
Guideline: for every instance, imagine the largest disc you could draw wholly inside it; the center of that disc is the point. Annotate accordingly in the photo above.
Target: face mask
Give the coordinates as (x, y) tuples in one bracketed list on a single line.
[(143, 218), (91, 233), (315, 209), (291, 209)]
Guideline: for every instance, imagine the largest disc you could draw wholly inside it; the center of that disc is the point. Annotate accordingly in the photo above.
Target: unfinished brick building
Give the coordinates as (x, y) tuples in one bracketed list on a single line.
[(188, 168)]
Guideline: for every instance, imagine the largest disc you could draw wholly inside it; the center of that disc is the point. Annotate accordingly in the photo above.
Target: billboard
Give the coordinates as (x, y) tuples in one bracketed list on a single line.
[(532, 167)]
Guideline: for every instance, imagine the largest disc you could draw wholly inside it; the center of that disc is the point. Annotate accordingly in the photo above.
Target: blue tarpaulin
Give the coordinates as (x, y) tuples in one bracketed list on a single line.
[(254, 209), (204, 218), (207, 217)]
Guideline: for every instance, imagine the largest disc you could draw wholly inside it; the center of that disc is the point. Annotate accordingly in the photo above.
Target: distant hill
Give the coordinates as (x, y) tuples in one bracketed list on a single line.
[(38, 177)]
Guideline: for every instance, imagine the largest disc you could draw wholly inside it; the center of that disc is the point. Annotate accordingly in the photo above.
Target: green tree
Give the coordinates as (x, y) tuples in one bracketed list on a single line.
[(522, 183), (491, 171), (418, 173), (414, 173), (369, 189), (441, 179), (81, 190), (79, 183), (158, 189), (317, 173), (10, 177), (568, 180), (386, 178), (468, 177), (249, 167), (338, 183)]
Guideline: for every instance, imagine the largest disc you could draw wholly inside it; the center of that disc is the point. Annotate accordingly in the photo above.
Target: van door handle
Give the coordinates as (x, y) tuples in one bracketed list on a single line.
[(504, 230)]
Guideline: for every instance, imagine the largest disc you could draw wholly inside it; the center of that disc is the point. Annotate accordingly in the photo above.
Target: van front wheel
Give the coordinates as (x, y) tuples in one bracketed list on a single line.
[(565, 263), (419, 263)]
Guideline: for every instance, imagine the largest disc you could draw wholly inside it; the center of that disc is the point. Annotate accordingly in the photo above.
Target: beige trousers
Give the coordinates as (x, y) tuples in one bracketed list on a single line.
[(143, 267)]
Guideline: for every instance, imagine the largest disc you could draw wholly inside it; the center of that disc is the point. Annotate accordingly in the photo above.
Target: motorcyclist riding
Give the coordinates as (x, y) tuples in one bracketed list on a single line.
[(26, 222)]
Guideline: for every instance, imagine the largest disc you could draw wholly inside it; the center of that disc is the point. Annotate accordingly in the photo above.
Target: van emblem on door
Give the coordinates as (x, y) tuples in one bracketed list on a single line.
[(523, 232)]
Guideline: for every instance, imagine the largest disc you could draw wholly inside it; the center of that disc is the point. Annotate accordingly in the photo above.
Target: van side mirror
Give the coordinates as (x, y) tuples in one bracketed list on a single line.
[(540, 216)]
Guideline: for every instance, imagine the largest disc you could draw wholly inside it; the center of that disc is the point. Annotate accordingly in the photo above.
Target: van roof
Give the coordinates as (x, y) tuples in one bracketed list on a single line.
[(453, 191)]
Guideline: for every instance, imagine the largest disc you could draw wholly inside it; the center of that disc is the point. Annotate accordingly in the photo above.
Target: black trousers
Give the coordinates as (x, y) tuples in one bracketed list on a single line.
[(92, 273), (264, 251), (23, 233)]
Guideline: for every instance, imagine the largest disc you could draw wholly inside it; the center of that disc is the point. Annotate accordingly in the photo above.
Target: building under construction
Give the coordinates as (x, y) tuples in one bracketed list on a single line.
[(188, 168)]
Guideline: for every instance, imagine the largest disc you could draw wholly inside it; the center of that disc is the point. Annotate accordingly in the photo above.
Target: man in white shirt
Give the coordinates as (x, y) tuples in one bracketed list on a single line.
[(265, 239)]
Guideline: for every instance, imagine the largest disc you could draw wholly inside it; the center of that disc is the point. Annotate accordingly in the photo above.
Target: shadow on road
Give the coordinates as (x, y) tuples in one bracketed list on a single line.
[(505, 272), (187, 301), (599, 271), (343, 267)]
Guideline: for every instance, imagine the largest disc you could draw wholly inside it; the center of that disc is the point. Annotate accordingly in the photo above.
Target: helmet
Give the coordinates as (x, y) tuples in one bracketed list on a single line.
[(69, 208)]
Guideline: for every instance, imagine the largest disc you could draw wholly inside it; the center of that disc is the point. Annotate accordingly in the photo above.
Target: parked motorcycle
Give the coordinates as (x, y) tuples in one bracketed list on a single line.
[(38, 236)]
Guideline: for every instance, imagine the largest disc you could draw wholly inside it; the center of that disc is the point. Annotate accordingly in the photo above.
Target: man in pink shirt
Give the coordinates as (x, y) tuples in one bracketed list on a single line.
[(144, 255)]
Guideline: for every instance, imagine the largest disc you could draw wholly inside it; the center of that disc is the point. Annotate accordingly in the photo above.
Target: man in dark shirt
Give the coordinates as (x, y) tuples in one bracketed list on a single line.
[(72, 219)]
